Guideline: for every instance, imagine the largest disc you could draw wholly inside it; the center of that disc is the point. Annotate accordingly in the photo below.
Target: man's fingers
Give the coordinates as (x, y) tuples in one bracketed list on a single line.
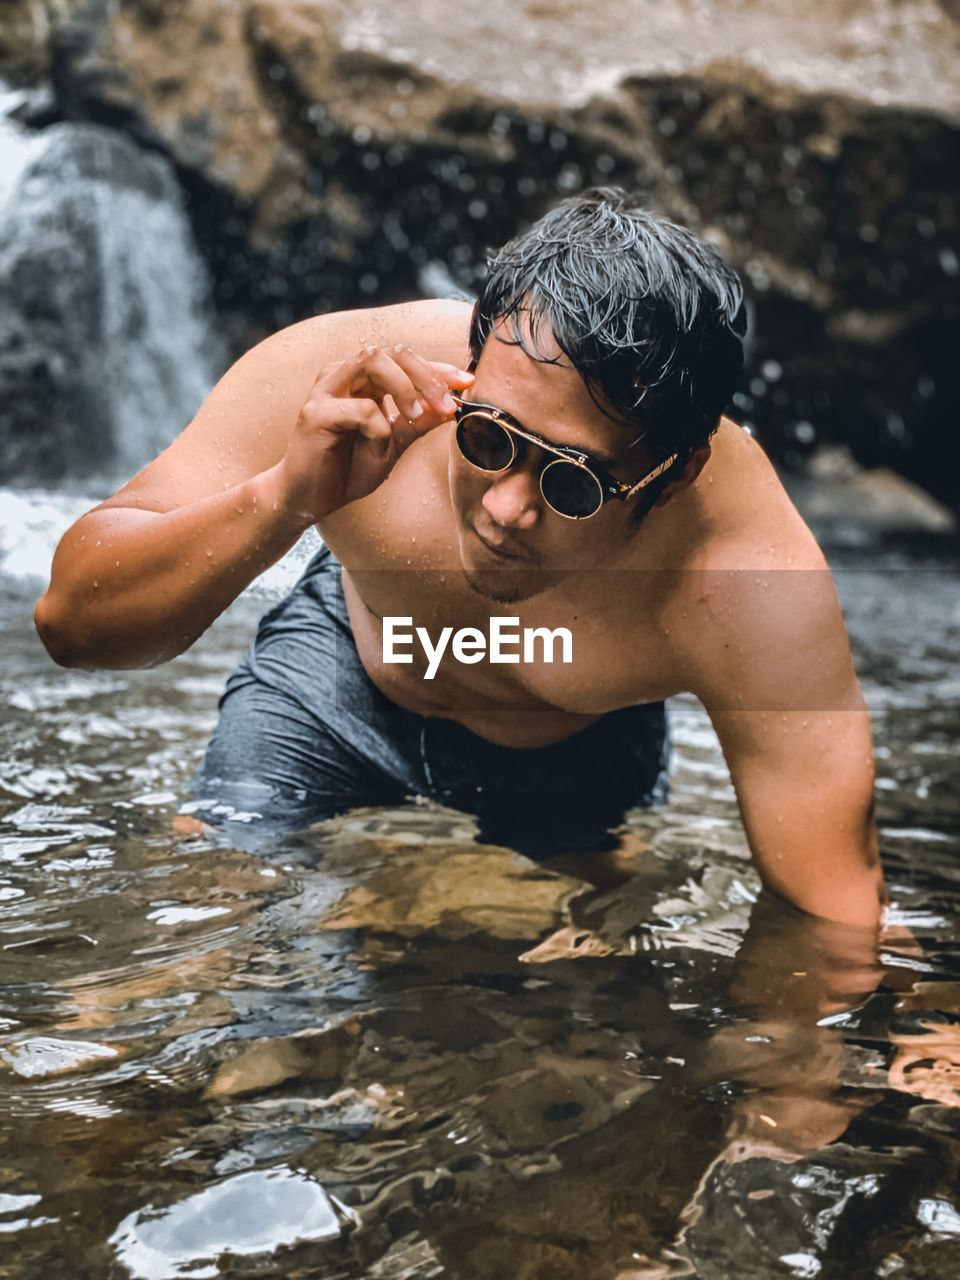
[(413, 383), (343, 415), (432, 378), (455, 376), (390, 410), (379, 372), (371, 374), (360, 416), (365, 415)]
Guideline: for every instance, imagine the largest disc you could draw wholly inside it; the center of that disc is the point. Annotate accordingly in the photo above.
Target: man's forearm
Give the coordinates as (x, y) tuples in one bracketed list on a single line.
[(793, 971), (796, 965), (133, 587)]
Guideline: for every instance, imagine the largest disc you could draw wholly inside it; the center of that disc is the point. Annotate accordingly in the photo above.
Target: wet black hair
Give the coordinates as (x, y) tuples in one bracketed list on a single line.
[(650, 316)]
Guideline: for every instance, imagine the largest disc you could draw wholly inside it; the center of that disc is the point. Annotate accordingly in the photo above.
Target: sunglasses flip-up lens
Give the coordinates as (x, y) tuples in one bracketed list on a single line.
[(485, 443), (571, 490)]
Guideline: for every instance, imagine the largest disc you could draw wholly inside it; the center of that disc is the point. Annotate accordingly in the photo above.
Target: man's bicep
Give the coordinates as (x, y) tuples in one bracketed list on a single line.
[(804, 782)]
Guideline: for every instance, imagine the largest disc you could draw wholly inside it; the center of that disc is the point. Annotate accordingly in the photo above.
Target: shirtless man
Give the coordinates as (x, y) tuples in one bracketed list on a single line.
[(598, 490)]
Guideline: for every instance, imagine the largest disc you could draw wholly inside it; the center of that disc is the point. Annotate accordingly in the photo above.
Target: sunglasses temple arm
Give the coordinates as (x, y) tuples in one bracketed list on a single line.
[(651, 476)]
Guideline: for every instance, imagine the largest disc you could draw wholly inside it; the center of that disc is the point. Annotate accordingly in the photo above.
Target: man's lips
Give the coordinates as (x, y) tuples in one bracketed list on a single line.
[(502, 550)]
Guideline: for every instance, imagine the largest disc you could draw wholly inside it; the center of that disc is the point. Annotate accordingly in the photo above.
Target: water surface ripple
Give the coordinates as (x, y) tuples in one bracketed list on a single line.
[(379, 1049)]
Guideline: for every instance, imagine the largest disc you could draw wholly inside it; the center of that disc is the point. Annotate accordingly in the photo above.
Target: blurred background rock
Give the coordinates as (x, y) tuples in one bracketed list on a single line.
[(334, 153)]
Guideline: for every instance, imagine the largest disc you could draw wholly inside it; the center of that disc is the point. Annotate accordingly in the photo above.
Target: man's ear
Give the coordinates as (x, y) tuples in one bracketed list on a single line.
[(686, 476)]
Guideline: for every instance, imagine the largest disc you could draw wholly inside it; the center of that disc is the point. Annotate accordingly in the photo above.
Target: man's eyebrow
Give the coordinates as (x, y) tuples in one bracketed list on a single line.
[(603, 459)]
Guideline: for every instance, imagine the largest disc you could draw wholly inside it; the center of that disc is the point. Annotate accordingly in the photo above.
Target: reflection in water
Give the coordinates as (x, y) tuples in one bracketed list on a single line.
[(379, 1049), (251, 1213)]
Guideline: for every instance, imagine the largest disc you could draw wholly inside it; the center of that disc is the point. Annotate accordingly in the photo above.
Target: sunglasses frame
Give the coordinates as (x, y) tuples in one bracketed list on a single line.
[(609, 486)]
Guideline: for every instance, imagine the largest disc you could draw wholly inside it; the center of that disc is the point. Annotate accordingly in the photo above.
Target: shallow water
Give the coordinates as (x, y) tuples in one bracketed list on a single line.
[(382, 1050)]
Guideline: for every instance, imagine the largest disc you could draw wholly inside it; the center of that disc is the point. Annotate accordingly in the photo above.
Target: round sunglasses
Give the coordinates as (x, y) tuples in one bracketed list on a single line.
[(573, 484)]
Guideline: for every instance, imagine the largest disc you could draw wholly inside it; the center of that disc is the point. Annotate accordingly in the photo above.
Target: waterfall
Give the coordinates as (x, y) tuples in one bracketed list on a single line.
[(107, 342), (107, 339)]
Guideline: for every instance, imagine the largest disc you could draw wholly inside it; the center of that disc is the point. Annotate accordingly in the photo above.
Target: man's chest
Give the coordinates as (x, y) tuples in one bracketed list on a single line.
[(580, 648), (589, 642)]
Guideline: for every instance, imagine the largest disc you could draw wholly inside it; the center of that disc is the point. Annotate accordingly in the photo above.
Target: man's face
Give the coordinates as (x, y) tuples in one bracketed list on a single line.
[(512, 545)]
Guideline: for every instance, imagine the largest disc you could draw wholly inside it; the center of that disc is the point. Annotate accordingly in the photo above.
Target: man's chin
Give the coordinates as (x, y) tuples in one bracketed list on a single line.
[(507, 586)]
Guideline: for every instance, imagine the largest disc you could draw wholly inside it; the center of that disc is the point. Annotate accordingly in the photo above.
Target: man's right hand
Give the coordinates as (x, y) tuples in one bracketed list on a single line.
[(359, 417)]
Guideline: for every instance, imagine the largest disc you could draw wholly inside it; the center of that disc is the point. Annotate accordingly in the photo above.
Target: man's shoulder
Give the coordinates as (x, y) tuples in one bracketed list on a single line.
[(751, 519), (437, 328), (735, 518), (244, 425), (764, 627), (755, 610), (290, 359)]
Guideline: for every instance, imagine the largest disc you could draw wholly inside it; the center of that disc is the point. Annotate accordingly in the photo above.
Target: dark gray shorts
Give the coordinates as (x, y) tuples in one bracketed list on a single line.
[(304, 734)]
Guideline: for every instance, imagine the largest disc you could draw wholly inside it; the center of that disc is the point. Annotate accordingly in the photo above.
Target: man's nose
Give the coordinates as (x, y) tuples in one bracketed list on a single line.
[(513, 498)]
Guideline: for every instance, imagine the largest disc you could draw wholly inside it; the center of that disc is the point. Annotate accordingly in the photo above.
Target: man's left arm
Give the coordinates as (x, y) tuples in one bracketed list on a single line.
[(796, 737)]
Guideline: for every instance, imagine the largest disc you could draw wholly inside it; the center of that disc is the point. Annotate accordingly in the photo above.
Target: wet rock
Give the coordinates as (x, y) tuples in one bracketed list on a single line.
[(41, 1056), (334, 153), (25, 35), (849, 505), (452, 892), (267, 1063), (409, 1256), (839, 1213), (258, 1212)]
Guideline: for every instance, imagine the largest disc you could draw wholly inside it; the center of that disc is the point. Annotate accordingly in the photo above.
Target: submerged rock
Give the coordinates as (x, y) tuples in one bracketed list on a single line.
[(452, 891), (337, 153)]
